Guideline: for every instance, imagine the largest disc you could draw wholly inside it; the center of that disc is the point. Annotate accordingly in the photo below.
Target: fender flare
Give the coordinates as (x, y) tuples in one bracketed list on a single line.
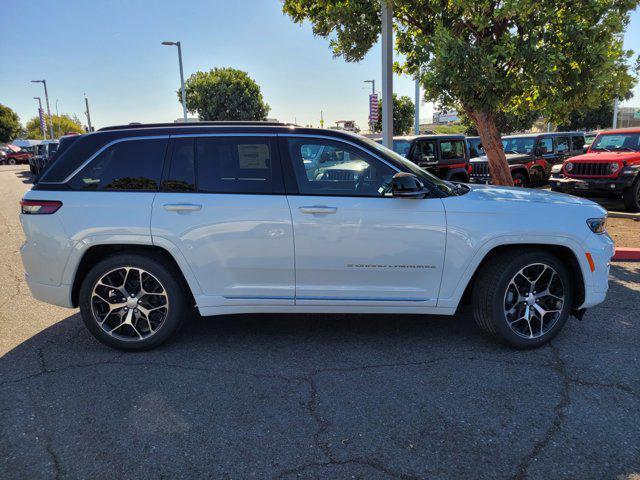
[(514, 240), (457, 171)]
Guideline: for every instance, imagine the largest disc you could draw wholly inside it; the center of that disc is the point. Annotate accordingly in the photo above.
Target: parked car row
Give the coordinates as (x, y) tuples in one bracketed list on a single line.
[(42, 155)]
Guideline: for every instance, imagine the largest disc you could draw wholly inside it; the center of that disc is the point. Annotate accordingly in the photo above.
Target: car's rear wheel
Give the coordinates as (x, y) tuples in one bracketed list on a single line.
[(132, 301), (523, 300), (631, 197), (11, 161)]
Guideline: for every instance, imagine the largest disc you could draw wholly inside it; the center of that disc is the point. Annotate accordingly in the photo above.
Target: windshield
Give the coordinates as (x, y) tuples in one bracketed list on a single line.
[(617, 142), (441, 185), (401, 147), (518, 144)]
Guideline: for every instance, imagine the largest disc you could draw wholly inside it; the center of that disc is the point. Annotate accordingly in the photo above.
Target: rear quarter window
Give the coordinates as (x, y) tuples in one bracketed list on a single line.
[(126, 165)]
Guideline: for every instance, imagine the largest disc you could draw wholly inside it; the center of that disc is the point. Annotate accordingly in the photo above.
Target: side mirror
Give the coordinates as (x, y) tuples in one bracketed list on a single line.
[(407, 185)]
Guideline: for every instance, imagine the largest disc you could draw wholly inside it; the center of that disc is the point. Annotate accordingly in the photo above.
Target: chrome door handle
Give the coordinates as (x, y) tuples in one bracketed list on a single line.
[(182, 207), (318, 210)]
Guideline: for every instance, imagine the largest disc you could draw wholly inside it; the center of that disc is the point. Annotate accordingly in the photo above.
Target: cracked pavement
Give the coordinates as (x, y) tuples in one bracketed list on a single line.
[(314, 396)]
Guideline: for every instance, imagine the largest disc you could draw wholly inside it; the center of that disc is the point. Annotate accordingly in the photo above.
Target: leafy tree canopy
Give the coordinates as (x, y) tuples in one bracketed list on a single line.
[(61, 124), (486, 57), (9, 124), (224, 94), (403, 115)]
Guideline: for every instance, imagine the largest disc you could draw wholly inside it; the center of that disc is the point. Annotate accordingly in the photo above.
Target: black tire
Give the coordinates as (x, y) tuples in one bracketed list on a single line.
[(490, 292), (520, 180), (170, 280), (631, 196), (11, 161)]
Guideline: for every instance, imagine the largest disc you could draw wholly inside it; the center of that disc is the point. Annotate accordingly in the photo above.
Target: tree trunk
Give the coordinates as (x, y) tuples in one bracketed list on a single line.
[(492, 144)]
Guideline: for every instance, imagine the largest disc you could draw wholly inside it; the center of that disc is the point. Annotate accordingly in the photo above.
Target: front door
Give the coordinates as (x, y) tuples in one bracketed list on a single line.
[(222, 208), (354, 243)]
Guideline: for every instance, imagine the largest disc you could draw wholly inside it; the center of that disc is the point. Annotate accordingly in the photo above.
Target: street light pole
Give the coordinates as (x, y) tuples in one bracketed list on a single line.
[(58, 115), (184, 94), (44, 132), (387, 73), (615, 113), (416, 120), (46, 97), (86, 102)]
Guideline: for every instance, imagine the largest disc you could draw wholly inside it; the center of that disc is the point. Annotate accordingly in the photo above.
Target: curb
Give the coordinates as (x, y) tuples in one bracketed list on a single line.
[(626, 255), (632, 216)]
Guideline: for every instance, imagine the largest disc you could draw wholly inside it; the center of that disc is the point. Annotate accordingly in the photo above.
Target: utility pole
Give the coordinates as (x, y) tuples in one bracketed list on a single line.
[(44, 132), (615, 114), (387, 74), (86, 102), (321, 119), (58, 116), (416, 120), (184, 94), (46, 97)]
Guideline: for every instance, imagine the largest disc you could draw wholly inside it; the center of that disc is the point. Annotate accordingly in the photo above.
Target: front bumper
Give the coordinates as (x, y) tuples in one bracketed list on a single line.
[(595, 185), (601, 248), (483, 179)]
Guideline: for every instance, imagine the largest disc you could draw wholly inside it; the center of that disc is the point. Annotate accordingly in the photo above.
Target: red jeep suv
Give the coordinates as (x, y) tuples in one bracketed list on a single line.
[(611, 167)]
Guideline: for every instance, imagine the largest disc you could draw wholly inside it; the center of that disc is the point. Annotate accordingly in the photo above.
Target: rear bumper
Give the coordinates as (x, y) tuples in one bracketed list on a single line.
[(596, 185), (55, 294)]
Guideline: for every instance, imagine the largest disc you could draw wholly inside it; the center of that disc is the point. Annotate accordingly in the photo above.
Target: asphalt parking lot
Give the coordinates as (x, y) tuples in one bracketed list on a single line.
[(314, 396)]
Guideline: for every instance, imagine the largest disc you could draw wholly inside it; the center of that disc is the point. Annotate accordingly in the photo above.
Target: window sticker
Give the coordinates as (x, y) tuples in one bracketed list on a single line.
[(252, 156)]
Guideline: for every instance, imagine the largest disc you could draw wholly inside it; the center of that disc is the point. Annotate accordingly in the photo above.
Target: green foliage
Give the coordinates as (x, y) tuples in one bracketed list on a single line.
[(9, 124), (451, 129), (505, 122), (224, 94), (403, 115), (592, 119), (509, 56), (61, 124)]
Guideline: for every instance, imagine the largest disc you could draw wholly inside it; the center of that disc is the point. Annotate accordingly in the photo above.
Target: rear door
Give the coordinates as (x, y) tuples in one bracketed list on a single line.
[(222, 209), (354, 243)]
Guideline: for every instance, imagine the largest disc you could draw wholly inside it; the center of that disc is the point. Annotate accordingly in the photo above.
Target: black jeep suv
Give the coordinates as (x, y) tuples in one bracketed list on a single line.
[(446, 156), (531, 156)]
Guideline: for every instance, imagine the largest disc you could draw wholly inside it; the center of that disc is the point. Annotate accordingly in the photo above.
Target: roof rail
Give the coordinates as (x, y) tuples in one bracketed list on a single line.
[(197, 124)]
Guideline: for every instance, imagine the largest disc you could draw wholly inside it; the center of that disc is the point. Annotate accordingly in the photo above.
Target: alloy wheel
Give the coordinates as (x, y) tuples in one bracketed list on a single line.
[(129, 303), (534, 300)]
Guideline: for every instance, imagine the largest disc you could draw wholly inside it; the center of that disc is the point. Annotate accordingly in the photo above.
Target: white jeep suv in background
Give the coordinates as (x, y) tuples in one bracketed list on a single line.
[(137, 225)]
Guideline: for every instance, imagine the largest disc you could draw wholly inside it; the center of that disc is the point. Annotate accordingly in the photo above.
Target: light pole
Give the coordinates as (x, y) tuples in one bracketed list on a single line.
[(46, 97), (44, 132), (387, 73), (58, 115), (86, 102), (416, 120), (184, 95)]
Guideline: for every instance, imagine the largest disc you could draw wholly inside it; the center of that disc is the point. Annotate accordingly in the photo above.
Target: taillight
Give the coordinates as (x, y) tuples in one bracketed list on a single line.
[(39, 207)]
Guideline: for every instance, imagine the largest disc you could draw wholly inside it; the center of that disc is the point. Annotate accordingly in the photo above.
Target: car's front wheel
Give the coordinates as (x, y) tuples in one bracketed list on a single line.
[(523, 299), (132, 301)]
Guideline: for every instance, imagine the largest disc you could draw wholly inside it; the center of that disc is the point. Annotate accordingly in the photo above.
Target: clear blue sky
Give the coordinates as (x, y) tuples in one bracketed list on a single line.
[(111, 51)]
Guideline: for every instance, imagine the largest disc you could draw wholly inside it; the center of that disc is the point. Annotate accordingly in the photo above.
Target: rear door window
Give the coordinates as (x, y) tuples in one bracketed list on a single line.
[(546, 145), (578, 142), (562, 144), (126, 165), (237, 165), (452, 149)]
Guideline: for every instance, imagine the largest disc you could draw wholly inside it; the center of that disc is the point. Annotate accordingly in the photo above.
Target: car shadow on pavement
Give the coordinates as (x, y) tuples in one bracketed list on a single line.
[(25, 176), (328, 396)]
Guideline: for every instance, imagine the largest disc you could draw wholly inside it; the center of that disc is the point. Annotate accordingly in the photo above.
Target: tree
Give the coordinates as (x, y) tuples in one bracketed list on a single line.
[(403, 114), (506, 123), (592, 119), (9, 124), (224, 94), (61, 124), (491, 57)]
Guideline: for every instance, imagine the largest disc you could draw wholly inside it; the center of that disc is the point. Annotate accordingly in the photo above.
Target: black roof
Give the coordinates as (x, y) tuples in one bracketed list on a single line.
[(135, 125)]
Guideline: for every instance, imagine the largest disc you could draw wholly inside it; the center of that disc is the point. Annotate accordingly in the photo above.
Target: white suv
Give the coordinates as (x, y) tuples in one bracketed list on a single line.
[(138, 225)]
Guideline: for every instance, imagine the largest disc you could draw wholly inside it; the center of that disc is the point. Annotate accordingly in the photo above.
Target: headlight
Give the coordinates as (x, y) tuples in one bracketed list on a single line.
[(556, 168), (614, 167), (568, 166), (597, 225)]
